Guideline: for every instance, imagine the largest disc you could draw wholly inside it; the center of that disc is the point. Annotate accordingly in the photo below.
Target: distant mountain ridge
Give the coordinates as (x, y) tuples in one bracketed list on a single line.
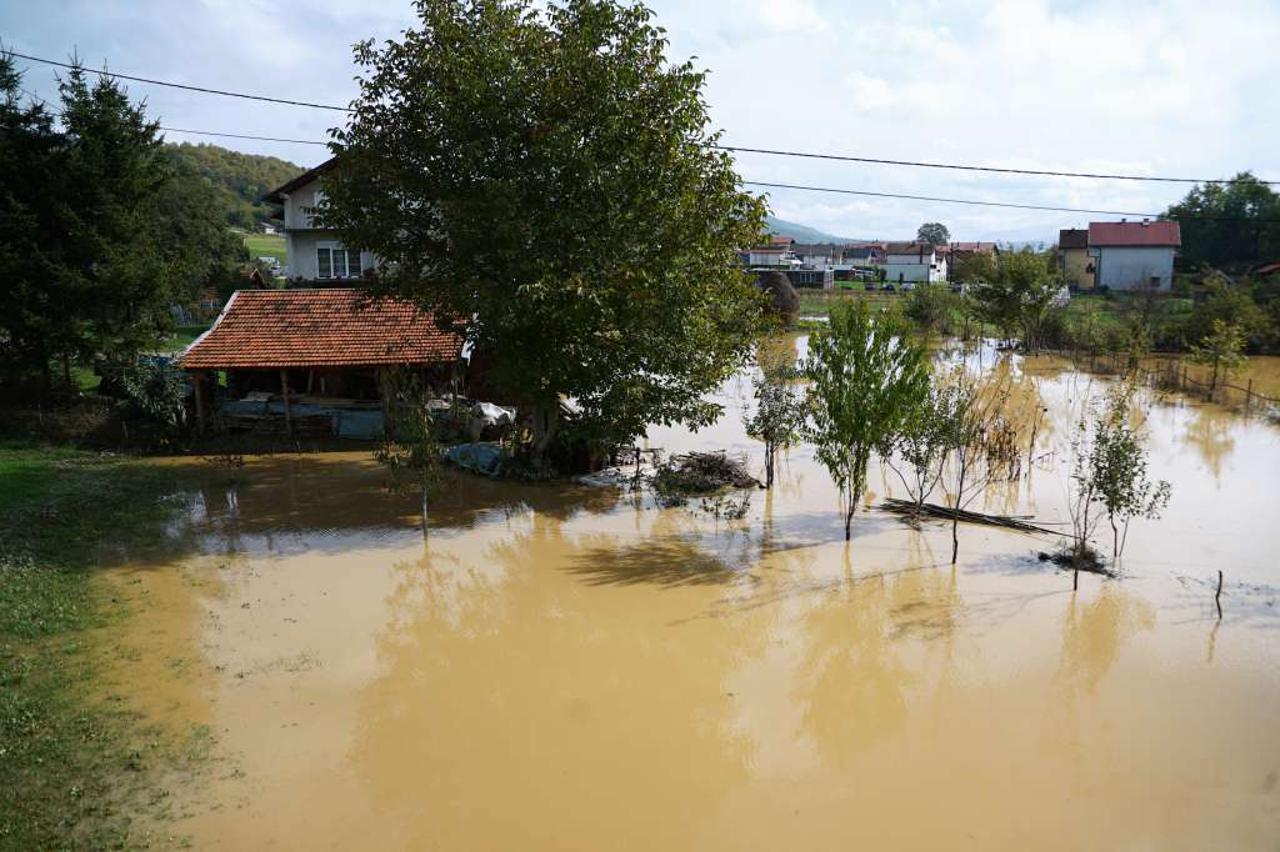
[(238, 179), (802, 233)]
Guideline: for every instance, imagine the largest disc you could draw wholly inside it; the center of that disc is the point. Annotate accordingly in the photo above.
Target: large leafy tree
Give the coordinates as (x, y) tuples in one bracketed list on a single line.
[(1020, 296), (1228, 225), (544, 173)]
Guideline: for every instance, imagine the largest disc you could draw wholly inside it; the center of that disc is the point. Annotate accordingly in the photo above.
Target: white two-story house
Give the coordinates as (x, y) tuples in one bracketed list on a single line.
[(315, 255), (916, 262)]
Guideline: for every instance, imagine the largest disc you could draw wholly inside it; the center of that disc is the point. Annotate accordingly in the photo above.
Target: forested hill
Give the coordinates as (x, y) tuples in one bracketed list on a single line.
[(239, 179)]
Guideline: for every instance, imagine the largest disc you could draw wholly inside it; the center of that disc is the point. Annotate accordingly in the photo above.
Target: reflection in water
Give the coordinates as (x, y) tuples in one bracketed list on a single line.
[(1210, 434), (564, 667)]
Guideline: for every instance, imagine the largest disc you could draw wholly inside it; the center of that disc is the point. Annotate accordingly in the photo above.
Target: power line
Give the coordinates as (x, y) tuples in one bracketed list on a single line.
[(44, 103), (733, 148), (970, 168), (201, 89), (980, 203)]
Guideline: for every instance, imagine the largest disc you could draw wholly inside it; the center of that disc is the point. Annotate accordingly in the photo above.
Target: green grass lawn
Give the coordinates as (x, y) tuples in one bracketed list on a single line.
[(819, 302), (74, 771), (265, 245)]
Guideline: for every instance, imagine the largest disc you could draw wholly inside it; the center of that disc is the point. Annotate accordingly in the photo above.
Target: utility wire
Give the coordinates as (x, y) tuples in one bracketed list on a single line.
[(732, 148), (56, 112), (968, 168), (201, 89), (979, 203)]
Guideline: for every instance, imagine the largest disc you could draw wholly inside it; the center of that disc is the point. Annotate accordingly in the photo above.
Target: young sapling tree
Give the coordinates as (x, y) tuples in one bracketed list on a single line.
[(779, 414), (865, 377)]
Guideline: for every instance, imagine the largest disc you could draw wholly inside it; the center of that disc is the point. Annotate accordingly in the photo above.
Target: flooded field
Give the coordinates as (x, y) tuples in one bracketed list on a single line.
[(570, 667)]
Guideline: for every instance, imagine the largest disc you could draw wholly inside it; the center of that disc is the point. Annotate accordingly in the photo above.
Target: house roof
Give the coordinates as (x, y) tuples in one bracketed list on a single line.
[(276, 196), (1073, 238), (971, 247), (1160, 232), (337, 327), (918, 248)]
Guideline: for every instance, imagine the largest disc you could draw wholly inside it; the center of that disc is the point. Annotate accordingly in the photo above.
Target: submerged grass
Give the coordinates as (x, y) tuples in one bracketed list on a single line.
[(74, 771)]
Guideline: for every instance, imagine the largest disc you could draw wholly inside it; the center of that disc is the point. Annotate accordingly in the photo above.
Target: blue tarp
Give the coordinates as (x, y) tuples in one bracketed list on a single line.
[(485, 459)]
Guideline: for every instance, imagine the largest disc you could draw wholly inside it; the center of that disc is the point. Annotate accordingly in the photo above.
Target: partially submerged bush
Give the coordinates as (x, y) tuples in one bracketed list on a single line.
[(784, 300), (699, 475)]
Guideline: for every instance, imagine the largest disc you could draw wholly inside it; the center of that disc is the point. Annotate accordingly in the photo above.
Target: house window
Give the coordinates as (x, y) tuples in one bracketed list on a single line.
[(337, 262)]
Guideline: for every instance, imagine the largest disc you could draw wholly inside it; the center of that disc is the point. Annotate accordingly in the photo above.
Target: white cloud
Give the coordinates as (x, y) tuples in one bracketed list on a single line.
[(1144, 87)]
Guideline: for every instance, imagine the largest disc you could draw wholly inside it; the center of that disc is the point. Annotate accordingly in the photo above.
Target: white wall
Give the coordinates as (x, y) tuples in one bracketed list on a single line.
[(295, 214), (914, 268), (1129, 267), (301, 247)]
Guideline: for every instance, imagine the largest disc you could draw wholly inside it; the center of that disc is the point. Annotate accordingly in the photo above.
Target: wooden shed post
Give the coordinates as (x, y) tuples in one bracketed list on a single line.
[(197, 383), (288, 412)]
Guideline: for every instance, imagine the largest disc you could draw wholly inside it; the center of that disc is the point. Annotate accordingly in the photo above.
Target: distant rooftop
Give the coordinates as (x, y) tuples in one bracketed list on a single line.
[(1160, 232)]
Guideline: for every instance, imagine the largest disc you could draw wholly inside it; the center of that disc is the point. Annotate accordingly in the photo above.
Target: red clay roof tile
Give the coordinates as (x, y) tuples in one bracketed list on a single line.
[(263, 329), (1160, 232)]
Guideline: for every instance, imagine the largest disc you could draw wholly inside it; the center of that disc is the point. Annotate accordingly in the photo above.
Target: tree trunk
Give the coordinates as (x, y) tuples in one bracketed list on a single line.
[(955, 517), (424, 513), (546, 421), (1075, 580), (1115, 538), (66, 371), (768, 465), (848, 517)]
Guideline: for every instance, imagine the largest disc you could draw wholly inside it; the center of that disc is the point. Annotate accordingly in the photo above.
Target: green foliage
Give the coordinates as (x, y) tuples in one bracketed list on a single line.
[(975, 267), (934, 308), (866, 378), (1226, 225), (1222, 349), (933, 233), (412, 449), (928, 435), (545, 173), (1118, 470), (238, 180), (1020, 298), (779, 415), (100, 235), (157, 388)]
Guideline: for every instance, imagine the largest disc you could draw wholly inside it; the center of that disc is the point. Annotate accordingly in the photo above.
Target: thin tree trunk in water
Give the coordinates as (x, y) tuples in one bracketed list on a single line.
[(1075, 580), (1115, 538), (955, 518), (424, 513), (768, 465), (848, 517)]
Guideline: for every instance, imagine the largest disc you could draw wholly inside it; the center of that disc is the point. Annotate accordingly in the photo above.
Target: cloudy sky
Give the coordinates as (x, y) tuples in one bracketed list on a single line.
[(1161, 87)]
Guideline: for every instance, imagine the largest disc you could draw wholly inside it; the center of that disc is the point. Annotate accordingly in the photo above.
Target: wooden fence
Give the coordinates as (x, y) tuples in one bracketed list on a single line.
[(1172, 374)]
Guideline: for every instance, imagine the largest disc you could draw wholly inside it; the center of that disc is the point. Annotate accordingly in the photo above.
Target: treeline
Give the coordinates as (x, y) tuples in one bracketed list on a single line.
[(1233, 226), (100, 234), (1021, 298), (238, 180)]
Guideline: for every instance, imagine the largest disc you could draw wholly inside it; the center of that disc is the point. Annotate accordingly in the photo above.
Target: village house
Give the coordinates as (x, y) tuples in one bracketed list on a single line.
[(1134, 255), (915, 262), (776, 254), (315, 255), (1074, 258), (314, 361)]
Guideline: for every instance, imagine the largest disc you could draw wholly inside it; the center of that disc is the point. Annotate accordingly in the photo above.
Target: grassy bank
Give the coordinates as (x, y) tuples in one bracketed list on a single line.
[(74, 771), (266, 245), (819, 302)]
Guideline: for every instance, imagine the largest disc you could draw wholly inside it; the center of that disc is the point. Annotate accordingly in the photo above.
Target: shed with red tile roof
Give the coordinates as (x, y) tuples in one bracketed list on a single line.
[(338, 327), (309, 355)]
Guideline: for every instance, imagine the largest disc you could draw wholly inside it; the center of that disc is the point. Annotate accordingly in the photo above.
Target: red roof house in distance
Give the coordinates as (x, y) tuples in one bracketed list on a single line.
[(1134, 255), (286, 352)]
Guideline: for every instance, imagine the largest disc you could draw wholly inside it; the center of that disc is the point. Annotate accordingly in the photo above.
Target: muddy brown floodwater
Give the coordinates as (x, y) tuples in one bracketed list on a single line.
[(569, 667)]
